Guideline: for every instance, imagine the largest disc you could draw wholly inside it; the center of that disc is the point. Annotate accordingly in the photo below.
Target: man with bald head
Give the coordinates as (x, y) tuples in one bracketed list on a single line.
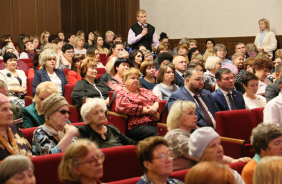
[(180, 67)]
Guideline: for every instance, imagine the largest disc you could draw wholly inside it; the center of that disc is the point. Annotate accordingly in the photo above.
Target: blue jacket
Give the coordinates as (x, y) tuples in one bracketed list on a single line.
[(179, 80), (221, 101), (183, 94), (42, 76)]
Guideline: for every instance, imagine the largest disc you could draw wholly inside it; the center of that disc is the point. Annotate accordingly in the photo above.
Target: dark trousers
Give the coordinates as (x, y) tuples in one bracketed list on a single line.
[(142, 132)]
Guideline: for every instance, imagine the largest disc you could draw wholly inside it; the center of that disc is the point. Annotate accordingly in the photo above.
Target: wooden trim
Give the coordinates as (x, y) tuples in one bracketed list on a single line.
[(162, 125), (116, 114), (72, 106), (228, 139), (28, 97)]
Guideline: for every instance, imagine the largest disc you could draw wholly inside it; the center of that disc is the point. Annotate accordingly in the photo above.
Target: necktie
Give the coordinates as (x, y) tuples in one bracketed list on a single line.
[(182, 76), (205, 113), (232, 105)]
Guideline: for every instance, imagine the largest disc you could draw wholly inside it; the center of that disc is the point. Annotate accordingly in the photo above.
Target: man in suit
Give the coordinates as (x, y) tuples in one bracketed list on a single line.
[(226, 97), (180, 65), (193, 91), (273, 90)]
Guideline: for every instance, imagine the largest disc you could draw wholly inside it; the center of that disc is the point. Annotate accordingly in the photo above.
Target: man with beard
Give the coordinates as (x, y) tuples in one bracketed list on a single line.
[(192, 90)]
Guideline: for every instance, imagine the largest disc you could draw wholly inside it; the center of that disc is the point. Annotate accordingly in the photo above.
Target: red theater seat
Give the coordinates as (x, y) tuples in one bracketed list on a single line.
[(66, 71), (257, 116), (163, 116), (28, 100), (68, 91), (101, 70), (29, 87), (28, 133)]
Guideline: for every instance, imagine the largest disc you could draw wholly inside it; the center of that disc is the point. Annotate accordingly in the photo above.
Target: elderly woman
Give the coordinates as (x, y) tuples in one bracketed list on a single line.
[(261, 68), (148, 55), (44, 39), (82, 163), (238, 60), (140, 104), (265, 40), (156, 160), (136, 57), (73, 74), (148, 70), (210, 149), (220, 51), (166, 82), (17, 169), (115, 49), (78, 45), (47, 72), (250, 82), (12, 141), (89, 87), (121, 65), (99, 44), (251, 50), (104, 136), (213, 64), (55, 134), (14, 79), (110, 71), (182, 50)]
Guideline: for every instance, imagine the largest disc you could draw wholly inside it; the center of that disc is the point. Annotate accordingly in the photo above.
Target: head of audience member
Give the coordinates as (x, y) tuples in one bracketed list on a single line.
[(96, 33), (182, 115), (115, 49), (213, 64), (123, 54), (252, 50), (266, 140), (220, 51), (121, 64), (80, 33), (61, 35), (165, 58), (10, 61), (250, 82), (166, 74), (162, 48), (10, 48), (47, 59), (109, 35), (59, 42), (263, 54), (79, 42), (117, 38), (249, 64), (268, 170), (88, 69), (225, 79), (240, 48), (148, 55), (196, 65), (210, 172), (277, 61), (197, 58), (29, 47), (93, 53), (278, 53), (3, 88), (155, 158), (231, 67), (5, 38), (264, 25), (210, 149), (192, 44), (238, 60), (89, 38), (182, 50), (98, 41), (141, 16), (21, 40), (278, 71), (194, 80), (44, 37), (70, 38), (147, 68), (5, 43), (192, 52), (35, 41), (130, 78), (209, 52), (52, 37), (110, 69), (142, 48), (36, 59), (180, 63), (164, 39), (262, 67), (16, 169), (77, 59), (183, 40), (136, 57), (210, 43), (43, 90), (68, 52), (82, 163)]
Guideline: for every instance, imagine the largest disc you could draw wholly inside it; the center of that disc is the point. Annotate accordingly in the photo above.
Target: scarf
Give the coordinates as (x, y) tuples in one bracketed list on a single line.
[(12, 149)]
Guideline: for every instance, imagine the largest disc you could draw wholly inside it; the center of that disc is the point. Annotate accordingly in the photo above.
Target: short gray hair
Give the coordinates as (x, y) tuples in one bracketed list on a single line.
[(12, 165), (211, 62), (46, 54), (89, 105), (122, 53), (219, 46)]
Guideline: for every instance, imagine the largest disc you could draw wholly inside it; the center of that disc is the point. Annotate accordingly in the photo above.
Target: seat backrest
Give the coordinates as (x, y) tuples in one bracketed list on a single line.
[(121, 162), (257, 116), (29, 87), (27, 100), (234, 124), (75, 114), (66, 71), (113, 105), (46, 168), (28, 133), (163, 116), (68, 91), (237, 166), (26, 72), (101, 70)]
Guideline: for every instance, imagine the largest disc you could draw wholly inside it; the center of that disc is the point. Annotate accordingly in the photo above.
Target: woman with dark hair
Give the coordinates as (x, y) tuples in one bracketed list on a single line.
[(115, 49), (136, 57), (65, 57), (74, 73), (117, 38), (262, 67), (35, 41), (209, 44), (93, 52), (21, 40), (70, 38), (99, 44), (192, 52), (148, 70), (163, 38), (29, 51), (61, 35), (89, 40), (36, 65), (120, 66)]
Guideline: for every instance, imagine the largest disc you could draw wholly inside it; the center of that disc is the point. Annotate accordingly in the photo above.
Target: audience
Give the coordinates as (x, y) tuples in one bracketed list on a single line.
[(36, 65), (247, 67), (238, 60), (110, 71), (213, 64), (114, 50), (99, 44), (21, 40), (78, 45), (182, 50), (272, 90), (251, 50), (109, 35), (221, 52), (74, 73), (148, 80), (89, 40), (161, 48), (136, 57), (180, 65), (210, 43), (29, 50), (240, 49), (164, 58), (44, 39)]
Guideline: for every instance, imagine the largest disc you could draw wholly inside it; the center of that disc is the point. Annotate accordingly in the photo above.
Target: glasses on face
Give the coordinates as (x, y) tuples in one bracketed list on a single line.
[(198, 79), (64, 111), (164, 156), (100, 157), (70, 52)]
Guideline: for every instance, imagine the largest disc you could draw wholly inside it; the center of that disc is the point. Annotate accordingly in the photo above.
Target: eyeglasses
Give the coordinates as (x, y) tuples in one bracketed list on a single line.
[(70, 52), (164, 156), (100, 157), (64, 111)]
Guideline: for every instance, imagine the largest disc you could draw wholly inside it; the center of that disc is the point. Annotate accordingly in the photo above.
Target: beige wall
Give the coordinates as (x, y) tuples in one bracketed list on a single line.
[(212, 18)]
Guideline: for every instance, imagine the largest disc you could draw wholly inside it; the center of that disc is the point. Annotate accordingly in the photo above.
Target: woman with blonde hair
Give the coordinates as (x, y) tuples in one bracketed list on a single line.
[(44, 39), (78, 45), (109, 35), (268, 170)]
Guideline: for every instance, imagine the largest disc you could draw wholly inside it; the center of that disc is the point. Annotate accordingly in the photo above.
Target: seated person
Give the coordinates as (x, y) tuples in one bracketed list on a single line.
[(164, 58), (29, 50), (104, 136), (136, 57), (182, 50), (266, 140), (55, 134), (141, 105), (212, 64), (148, 70), (156, 160), (74, 73), (36, 65), (247, 67), (89, 87), (220, 51), (110, 71), (64, 60), (12, 140), (78, 45), (166, 82)]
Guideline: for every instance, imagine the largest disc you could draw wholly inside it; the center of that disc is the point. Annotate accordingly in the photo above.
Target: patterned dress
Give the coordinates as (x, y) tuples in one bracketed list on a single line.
[(145, 180)]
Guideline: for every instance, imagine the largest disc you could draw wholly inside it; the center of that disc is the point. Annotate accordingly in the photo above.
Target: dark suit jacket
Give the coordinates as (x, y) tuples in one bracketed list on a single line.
[(183, 94), (221, 101), (42, 76), (272, 91), (179, 80)]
